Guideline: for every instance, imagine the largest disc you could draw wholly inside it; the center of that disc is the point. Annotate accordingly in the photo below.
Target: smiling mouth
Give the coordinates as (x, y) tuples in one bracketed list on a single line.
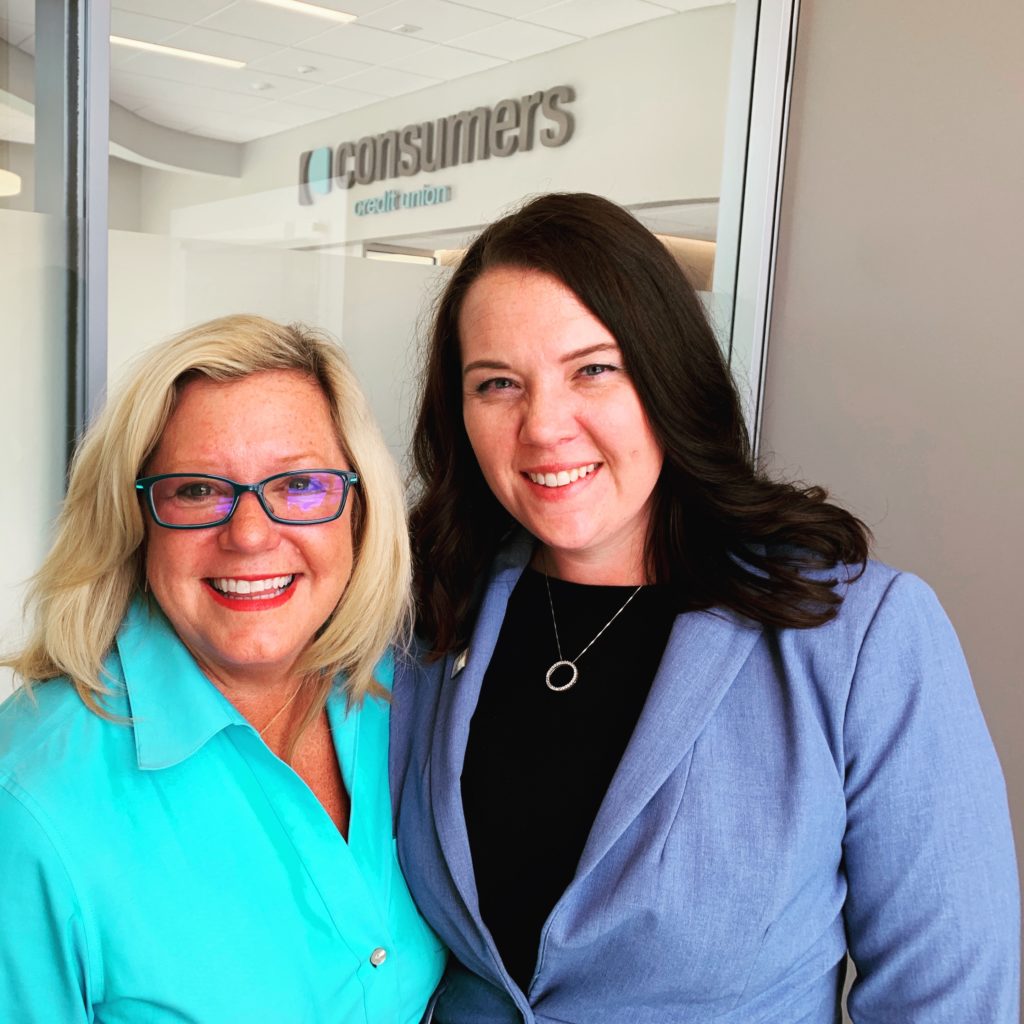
[(251, 590), (563, 477)]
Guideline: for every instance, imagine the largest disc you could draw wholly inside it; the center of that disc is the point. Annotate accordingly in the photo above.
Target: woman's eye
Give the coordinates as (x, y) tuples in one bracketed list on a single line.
[(494, 384), (299, 484), (596, 369), (194, 492)]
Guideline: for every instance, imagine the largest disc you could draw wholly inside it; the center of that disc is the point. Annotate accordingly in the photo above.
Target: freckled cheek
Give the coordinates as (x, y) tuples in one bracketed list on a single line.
[(175, 562), (490, 445)]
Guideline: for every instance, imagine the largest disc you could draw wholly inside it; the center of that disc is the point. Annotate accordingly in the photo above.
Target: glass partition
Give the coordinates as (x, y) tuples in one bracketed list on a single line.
[(328, 162), (308, 165)]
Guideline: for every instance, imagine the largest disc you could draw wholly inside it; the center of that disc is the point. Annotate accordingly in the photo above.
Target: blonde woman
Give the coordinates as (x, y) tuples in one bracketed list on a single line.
[(194, 807)]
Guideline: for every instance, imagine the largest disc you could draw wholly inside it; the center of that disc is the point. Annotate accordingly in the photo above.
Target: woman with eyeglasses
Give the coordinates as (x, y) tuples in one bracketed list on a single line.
[(675, 745), (195, 822)]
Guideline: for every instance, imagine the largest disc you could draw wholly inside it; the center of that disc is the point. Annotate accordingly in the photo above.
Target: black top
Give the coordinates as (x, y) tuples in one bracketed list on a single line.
[(537, 762)]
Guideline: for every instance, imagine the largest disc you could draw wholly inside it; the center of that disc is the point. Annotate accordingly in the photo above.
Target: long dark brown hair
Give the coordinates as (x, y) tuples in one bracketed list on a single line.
[(722, 533)]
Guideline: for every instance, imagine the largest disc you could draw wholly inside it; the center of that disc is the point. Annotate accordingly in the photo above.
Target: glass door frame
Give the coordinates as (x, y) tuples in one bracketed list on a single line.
[(72, 111)]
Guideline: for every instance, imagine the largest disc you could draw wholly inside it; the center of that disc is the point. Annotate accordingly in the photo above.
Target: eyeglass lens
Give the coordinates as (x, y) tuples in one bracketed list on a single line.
[(203, 500)]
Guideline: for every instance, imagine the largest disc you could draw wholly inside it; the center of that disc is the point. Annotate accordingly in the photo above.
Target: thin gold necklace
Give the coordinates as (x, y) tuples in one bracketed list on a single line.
[(281, 710), (562, 660)]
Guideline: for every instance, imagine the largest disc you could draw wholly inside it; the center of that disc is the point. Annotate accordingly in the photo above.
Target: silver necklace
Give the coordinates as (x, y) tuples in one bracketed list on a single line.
[(558, 643)]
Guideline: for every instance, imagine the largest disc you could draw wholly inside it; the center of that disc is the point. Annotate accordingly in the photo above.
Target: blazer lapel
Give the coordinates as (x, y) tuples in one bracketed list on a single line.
[(705, 652), (457, 703)]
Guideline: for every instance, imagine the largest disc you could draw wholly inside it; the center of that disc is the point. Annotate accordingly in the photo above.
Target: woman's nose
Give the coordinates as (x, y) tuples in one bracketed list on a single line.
[(549, 417), (250, 528)]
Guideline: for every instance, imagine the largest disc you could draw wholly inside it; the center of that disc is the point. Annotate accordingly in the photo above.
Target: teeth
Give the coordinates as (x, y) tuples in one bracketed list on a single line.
[(252, 588), (562, 477)]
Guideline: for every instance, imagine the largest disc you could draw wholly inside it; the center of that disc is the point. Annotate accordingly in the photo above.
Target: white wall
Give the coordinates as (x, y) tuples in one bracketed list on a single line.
[(162, 285), (32, 390), (124, 192), (895, 362)]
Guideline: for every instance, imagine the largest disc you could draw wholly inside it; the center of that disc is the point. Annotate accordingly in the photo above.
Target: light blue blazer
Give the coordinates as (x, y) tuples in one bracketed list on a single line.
[(787, 796)]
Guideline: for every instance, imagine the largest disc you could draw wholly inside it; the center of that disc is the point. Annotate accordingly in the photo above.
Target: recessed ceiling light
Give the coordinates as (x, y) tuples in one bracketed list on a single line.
[(305, 69), (260, 86), (315, 9), (407, 28), (173, 51)]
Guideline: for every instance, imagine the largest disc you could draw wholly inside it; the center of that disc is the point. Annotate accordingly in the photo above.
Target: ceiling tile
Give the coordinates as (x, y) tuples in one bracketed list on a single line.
[(171, 115), (370, 45), (514, 40), (690, 5), (142, 26), (387, 81), (281, 87), (221, 44), (248, 132), (290, 114), (120, 56), (239, 80), (356, 7), (596, 17), (187, 11), (325, 67), (134, 91), (260, 21), (510, 8), (447, 62), (437, 20), (334, 100)]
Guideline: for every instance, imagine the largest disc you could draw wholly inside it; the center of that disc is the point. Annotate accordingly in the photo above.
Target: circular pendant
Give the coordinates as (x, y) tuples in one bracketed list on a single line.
[(554, 668)]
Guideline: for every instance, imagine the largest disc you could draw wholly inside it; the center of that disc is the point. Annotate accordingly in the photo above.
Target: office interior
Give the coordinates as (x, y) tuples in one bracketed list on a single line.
[(841, 182)]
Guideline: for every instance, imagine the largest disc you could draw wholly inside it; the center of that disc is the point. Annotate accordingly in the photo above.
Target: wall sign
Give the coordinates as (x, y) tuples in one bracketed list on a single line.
[(396, 199), (510, 126)]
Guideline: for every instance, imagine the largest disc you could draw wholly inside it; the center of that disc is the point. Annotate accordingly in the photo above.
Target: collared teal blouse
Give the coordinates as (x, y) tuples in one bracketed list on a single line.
[(175, 870)]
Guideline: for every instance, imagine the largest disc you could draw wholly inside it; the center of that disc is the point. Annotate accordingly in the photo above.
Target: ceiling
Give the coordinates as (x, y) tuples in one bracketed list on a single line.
[(301, 68)]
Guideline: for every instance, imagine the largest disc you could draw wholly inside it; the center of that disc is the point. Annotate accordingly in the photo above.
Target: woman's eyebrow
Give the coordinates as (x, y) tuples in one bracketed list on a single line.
[(484, 364), (580, 353)]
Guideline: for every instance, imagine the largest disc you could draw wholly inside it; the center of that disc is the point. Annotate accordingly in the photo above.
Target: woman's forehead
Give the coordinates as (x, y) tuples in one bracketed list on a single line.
[(268, 417), (527, 308)]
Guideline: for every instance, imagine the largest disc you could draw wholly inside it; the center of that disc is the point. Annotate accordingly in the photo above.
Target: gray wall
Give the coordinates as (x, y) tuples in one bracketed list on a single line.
[(896, 355)]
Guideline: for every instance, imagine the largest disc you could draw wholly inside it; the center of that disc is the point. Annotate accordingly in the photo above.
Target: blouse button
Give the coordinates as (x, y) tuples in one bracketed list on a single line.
[(378, 956)]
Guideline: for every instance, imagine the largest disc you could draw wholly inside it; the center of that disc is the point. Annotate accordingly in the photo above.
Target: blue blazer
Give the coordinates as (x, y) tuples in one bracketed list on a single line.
[(787, 796)]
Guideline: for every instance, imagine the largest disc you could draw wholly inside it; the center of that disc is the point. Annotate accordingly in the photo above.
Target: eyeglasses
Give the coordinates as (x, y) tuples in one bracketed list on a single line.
[(194, 501)]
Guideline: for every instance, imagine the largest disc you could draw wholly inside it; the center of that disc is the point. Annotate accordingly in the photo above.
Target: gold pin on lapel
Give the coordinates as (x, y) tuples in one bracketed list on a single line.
[(460, 662)]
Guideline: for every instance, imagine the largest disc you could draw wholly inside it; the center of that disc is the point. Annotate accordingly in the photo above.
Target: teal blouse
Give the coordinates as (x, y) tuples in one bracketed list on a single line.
[(175, 870)]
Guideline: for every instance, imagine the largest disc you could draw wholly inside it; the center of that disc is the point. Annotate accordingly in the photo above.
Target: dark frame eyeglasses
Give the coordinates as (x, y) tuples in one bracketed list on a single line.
[(231, 490)]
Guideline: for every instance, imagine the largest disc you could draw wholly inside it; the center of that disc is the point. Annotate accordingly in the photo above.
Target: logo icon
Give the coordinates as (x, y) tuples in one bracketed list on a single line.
[(314, 174)]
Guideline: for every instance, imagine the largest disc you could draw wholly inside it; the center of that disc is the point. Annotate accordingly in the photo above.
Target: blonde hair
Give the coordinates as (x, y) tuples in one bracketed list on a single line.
[(81, 594)]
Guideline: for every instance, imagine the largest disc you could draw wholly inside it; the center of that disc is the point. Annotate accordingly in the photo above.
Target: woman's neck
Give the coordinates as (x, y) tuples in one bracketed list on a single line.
[(624, 569), (270, 703)]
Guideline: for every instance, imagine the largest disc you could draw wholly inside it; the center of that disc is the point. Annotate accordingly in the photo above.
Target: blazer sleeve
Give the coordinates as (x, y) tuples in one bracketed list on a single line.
[(932, 912), (43, 960)]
